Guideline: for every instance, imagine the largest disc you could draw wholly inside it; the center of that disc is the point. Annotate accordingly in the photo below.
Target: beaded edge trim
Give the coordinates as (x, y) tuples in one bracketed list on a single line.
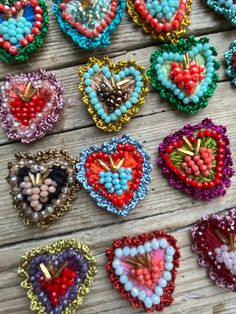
[(231, 72), (206, 194), (25, 52), (55, 248), (45, 124), (228, 13), (84, 42), (43, 156), (172, 36), (110, 147), (166, 298), (167, 94), (116, 125), (220, 282)]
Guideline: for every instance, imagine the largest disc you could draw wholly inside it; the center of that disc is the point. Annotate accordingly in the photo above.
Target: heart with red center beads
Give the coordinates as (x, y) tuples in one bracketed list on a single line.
[(185, 73), (23, 26), (227, 8), (43, 185), (214, 239), (197, 160), (116, 174), (165, 20), (112, 92), (30, 104), (58, 276), (230, 58), (88, 23), (143, 269)]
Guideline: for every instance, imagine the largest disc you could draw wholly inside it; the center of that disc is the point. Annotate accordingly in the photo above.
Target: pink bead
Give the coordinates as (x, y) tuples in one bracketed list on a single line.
[(202, 149), (22, 185), (209, 150), (43, 199), (44, 193), (28, 185), (200, 162), (205, 155), (203, 168), (212, 157), (38, 207), (187, 158), (36, 190), (48, 181), (191, 163), (184, 165), (44, 187), (196, 158), (207, 161), (197, 173), (206, 173), (34, 203), (188, 170), (35, 197), (209, 166), (26, 179), (195, 168), (52, 189), (28, 191)]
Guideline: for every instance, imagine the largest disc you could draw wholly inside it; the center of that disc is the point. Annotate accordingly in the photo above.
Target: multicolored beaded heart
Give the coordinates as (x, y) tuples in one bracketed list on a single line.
[(30, 104), (164, 20), (58, 276), (185, 73), (23, 26), (116, 174), (227, 8), (230, 57), (43, 185), (143, 269), (89, 23), (197, 159), (112, 92), (214, 240)]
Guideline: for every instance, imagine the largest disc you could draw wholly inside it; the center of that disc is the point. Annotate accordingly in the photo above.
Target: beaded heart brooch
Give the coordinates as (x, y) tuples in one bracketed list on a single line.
[(58, 276), (185, 73), (227, 8), (112, 92), (197, 159), (89, 23), (214, 240), (143, 269), (116, 174), (230, 57), (23, 26), (164, 20), (30, 104), (43, 185)]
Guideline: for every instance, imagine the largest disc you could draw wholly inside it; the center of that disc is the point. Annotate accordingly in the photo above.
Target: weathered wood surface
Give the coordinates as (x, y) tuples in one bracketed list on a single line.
[(164, 207)]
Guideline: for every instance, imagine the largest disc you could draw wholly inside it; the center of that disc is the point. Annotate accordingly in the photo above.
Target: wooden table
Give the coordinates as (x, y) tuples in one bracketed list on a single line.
[(164, 207)]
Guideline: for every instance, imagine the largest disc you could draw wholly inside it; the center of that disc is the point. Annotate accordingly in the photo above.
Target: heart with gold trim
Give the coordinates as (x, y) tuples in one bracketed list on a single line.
[(23, 26), (164, 20), (197, 159), (116, 174)]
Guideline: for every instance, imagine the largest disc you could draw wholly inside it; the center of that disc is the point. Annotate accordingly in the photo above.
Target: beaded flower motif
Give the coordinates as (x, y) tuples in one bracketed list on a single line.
[(227, 8), (89, 23), (185, 74), (30, 104), (116, 174), (230, 57), (143, 269), (42, 185), (164, 20), (58, 276), (23, 26), (214, 240), (112, 92), (197, 159)]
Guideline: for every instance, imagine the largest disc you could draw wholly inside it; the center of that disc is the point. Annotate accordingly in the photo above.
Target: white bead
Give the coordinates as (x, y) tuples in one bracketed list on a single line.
[(170, 251), (133, 251), (162, 282), (134, 292), (119, 271), (126, 251), (141, 249), (169, 266), (118, 252), (116, 263), (155, 299), (167, 275), (147, 247), (142, 295), (128, 286), (155, 244), (148, 303), (163, 243), (159, 291)]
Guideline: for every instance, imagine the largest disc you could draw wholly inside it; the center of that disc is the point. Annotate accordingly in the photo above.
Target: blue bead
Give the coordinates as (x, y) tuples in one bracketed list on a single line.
[(133, 251), (126, 251), (86, 75), (168, 266), (108, 120), (115, 181), (118, 112), (117, 77), (127, 71), (148, 303), (141, 249), (102, 174), (139, 84), (119, 271), (116, 263), (122, 74), (103, 116), (113, 117), (123, 109), (96, 67), (88, 89), (108, 185), (148, 247), (142, 295), (27, 30), (97, 106), (87, 82), (119, 192), (128, 104), (119, 252), (108, 174), (155, 299), (167, 275), (134, 292), (162, 282), (159, 291), (100, 111), (163, 243), (91, 71), (94, 101), (117, 187), (123, 279), (102, 180), (128, 286), (139, 78), (155, 244)]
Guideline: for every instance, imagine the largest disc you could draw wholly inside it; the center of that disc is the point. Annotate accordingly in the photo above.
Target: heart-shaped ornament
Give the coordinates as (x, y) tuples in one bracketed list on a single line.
[(214, 240), (23, 26), (43, 185), (89, 23), (143, 269), (58, 276), (185, 73), (164, 20), (197, 159), (227, 8), (230, 57), (30, 104), (112, 92), (116, 174)]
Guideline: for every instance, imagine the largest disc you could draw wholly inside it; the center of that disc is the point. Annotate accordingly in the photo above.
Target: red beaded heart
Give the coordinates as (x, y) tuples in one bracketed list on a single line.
[(187, 78)]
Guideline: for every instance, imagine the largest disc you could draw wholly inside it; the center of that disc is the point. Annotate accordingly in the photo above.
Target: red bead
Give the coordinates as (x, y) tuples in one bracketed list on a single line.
[(35, 30), (30, 38), (221, 144), (38, 17), (219, 175), (200, 134), (207, 132), (6, 45), (38, 9), (169, 149), (23, 42), (13, 50)]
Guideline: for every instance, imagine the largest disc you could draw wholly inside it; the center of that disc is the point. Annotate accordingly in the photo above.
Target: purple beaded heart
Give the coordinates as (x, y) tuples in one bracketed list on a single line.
[(58, 276)]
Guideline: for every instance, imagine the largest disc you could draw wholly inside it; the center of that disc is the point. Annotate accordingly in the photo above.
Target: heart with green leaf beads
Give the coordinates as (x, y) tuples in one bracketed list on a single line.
[(185, 74), (23, 26), (112, 92)]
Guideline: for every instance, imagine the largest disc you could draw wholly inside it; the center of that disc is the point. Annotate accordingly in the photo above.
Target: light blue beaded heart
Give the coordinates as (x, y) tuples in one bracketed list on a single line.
[(225, 7), (162, 8), (116, 181)]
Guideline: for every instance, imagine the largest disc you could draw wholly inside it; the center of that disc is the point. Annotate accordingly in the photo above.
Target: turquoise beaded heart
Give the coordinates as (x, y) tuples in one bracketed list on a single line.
[(225, 7), (162, 9), (117, 181), (13, 30)]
